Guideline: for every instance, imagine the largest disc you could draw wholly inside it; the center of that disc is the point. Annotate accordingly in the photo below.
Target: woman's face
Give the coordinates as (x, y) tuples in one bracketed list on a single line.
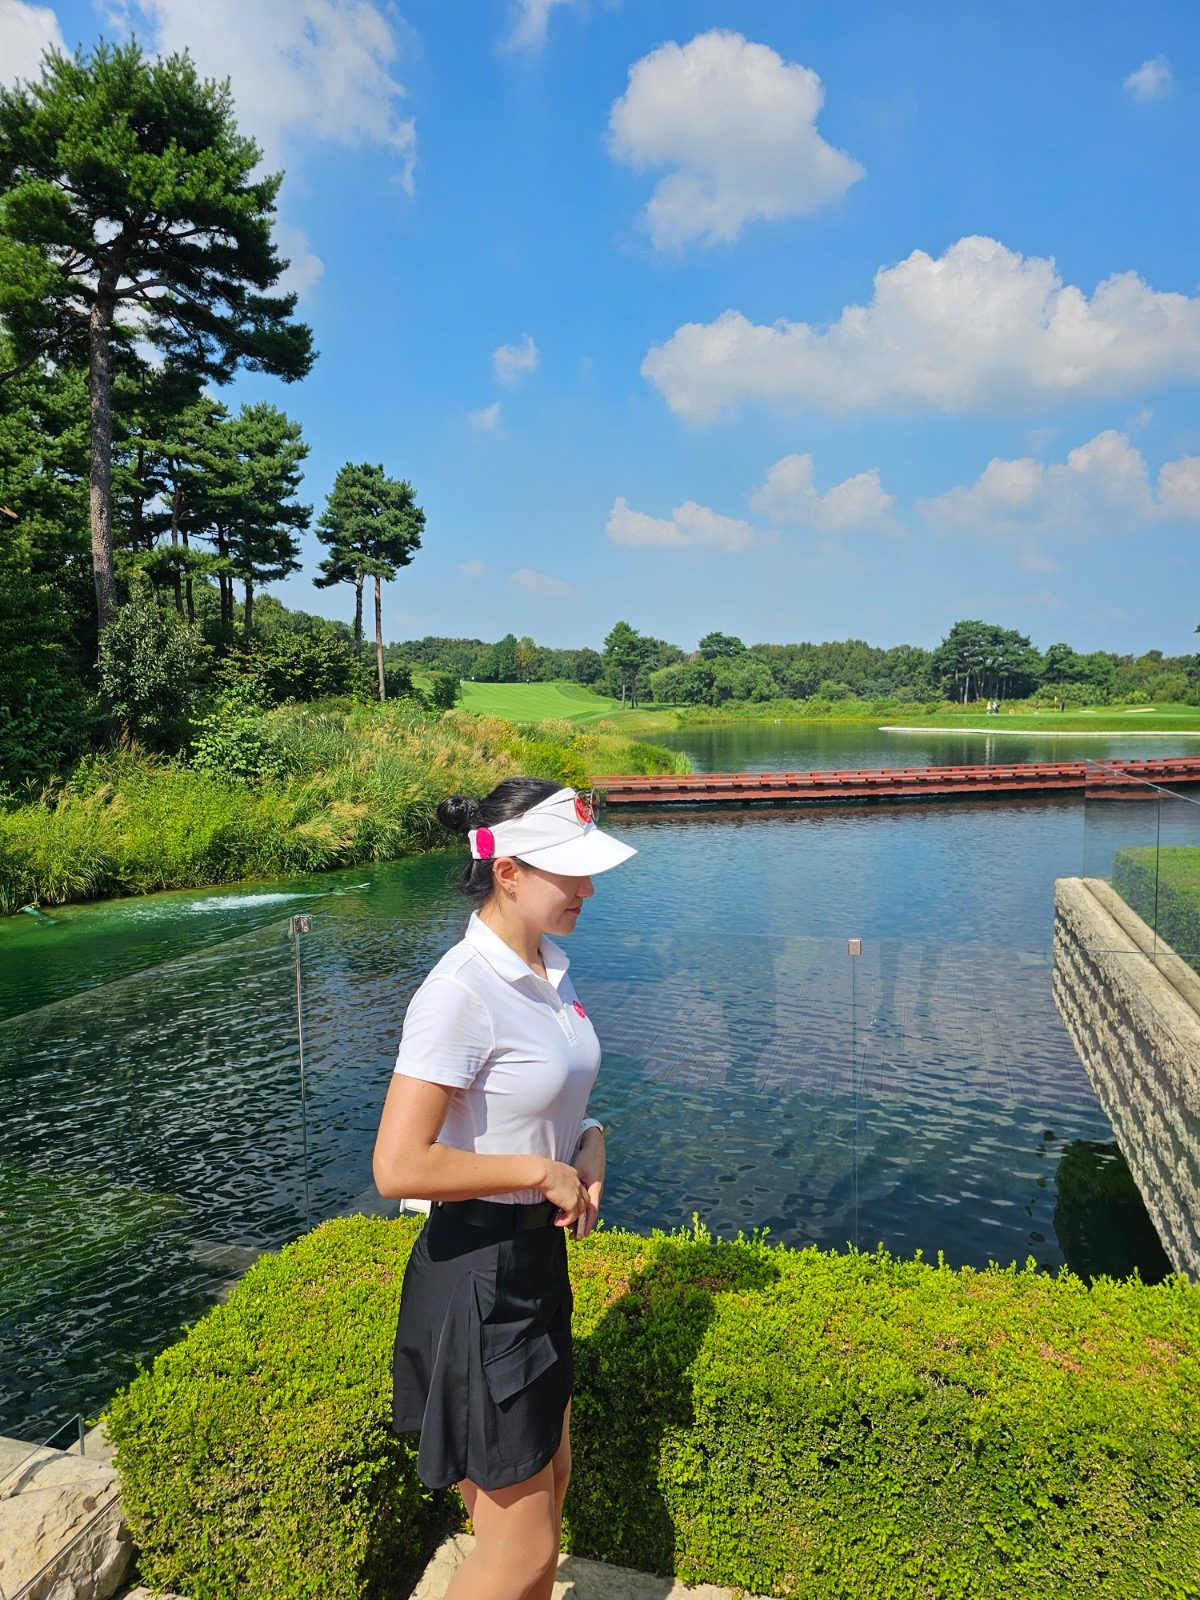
[(550, 902)]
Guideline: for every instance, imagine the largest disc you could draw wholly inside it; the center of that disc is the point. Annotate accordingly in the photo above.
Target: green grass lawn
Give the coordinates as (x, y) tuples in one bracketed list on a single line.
[(537, 702), (1084, 719)]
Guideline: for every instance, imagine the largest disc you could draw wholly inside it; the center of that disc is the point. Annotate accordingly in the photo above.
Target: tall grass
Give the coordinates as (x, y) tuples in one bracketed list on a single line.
[(362, 784)]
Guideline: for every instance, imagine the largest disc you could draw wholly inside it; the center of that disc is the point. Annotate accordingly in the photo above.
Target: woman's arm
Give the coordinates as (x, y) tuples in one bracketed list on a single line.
[(590, 1162), (410, 1164)]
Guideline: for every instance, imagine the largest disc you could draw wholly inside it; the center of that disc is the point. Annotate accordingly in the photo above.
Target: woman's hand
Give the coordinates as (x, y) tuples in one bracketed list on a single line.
[(590, 1162), (563, 1188)]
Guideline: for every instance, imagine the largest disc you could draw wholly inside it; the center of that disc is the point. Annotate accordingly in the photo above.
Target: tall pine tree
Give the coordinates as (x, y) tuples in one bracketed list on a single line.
[(127, 196), (372, 526)]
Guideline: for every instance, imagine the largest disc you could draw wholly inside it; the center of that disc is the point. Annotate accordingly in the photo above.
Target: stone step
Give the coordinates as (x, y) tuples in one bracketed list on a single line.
[(61, 1528), (577, 1579)]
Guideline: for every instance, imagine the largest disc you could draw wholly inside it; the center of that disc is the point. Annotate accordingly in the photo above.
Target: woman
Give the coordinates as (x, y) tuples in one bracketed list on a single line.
[(485, 1117)]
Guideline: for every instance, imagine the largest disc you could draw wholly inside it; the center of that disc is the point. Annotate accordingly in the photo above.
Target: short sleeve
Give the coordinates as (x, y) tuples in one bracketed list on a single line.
[(447, 1034)]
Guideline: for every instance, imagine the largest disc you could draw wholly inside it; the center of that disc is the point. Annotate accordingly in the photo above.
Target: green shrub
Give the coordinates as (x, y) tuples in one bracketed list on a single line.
[(151, 662), (837, 1427), (235, 741), (255, 1456), (1163, 887)]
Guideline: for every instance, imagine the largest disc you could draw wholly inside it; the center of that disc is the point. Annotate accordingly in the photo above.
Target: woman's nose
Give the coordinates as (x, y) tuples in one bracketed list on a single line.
[(586, 888)]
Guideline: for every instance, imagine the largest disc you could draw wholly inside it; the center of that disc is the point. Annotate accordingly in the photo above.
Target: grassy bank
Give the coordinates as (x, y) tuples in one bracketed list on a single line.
[(356, 784)]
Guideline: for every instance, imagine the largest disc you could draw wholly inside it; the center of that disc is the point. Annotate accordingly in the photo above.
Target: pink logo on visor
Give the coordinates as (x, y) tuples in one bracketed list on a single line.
[(485, 844)]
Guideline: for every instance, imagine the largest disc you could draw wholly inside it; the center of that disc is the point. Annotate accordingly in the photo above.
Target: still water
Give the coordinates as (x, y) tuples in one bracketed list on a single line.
[(921, 1095)]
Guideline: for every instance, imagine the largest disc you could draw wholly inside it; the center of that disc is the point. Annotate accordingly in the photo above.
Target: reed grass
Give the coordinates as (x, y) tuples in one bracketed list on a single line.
[(362, 784)]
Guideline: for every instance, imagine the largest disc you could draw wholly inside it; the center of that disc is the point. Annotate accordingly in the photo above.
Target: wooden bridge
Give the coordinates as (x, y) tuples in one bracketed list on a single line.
[(1126, 780)]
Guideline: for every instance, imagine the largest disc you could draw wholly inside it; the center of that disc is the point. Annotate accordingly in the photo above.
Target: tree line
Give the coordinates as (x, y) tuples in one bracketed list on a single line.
[(138, 274), (975, 661)]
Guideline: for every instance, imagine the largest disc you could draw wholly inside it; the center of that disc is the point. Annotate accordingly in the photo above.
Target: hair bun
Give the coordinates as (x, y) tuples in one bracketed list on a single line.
[(457, 812)]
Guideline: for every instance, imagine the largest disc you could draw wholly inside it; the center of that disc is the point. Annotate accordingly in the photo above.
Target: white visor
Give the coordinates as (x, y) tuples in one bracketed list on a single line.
[(557, 834)]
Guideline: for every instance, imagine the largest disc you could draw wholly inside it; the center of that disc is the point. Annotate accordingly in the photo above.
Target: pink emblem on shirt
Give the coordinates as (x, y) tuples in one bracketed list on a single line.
[(579, 1008)]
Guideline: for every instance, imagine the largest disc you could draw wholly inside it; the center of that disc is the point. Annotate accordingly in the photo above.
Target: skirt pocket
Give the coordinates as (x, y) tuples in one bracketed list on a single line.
[(524, 1329), (508, 1371)]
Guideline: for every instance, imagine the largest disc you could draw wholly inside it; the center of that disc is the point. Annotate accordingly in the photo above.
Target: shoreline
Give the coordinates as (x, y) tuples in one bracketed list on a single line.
[(1054, 733)]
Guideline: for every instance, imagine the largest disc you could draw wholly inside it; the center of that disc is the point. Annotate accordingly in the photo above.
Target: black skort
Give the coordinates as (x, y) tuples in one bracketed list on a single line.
[(482, 1362)]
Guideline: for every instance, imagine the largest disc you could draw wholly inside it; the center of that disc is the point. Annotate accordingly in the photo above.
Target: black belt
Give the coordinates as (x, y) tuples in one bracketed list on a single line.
[(500, 1214)]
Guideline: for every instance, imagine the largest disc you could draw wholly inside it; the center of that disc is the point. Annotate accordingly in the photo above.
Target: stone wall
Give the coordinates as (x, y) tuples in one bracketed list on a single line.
[(1133, 1012)]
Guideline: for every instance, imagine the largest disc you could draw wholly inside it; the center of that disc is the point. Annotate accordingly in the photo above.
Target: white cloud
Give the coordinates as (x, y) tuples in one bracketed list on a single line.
[(512, 362), (860, 504), (1179, 488), (26, 32), (299, 69), (304, 268), (1102, 487), (689, 526), (1031, 560), (540, 583), (472, 569), (488, 419), (1153, 80), (530, 19), (737, 126), (979, 328)]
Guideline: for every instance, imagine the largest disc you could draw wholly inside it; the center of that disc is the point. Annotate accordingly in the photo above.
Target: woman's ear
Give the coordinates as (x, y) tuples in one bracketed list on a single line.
[(504, 875)]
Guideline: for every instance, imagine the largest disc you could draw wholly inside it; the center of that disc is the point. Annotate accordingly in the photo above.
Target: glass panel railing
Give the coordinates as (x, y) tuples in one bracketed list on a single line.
[(920, 1091), (908, 1093), (150, 1150), (1142, 848)]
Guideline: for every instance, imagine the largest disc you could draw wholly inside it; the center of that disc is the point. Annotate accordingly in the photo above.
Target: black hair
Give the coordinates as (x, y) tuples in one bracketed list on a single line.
[(512, 798)]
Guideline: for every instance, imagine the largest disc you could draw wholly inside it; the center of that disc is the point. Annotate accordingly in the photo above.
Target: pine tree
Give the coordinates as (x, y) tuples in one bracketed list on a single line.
[(127, 192), (372, 526)]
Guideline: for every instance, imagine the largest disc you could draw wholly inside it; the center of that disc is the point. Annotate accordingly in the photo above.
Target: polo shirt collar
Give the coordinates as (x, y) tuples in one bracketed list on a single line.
[(506, 962)]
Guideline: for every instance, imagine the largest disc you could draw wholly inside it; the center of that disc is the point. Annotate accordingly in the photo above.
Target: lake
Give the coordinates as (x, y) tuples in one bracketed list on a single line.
[(922, 1094)]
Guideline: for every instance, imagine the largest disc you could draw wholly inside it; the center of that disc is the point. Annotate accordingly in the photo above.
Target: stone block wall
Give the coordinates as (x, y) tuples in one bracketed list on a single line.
[(1132, 1009)]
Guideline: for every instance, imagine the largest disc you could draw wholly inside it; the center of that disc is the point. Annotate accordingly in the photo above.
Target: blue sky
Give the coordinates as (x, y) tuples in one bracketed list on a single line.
[(797, 321)]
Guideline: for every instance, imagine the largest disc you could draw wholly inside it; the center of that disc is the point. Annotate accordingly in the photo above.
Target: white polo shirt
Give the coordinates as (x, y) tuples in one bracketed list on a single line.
[(519, 1050)]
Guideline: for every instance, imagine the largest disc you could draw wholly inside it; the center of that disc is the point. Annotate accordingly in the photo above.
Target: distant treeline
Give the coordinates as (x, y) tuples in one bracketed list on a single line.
[(976, 661)]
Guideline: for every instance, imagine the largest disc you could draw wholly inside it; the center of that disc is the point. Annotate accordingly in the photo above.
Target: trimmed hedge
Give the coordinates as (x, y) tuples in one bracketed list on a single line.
[(789, 1422), (1163, 887)]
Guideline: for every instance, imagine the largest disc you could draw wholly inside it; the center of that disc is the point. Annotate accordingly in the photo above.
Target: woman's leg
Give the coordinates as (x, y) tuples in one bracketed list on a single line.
[(517, 1532), (561, 1468)]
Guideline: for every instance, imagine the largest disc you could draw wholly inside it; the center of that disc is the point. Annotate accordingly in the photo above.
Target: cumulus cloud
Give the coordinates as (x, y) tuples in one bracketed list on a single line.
[(1103, 486), (26, 33), (789, 496), (540, 583), (512, 362), (472, 569), (980, 328), (304, 268), (736, 124), (689, 526), (299, 69), (487, 419), (1153, 80), (529, 21), (1179, 488)]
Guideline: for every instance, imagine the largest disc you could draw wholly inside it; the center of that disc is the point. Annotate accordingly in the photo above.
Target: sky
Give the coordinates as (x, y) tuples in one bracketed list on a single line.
[(795, 321)]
